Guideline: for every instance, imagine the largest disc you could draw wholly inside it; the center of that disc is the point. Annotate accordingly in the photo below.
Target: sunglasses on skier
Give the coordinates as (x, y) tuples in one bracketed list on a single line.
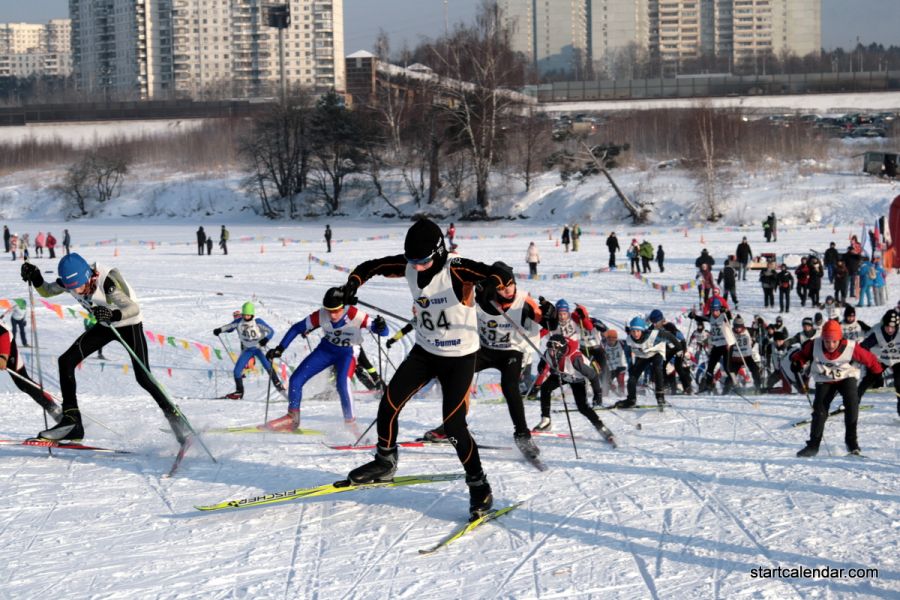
[(420, 261)]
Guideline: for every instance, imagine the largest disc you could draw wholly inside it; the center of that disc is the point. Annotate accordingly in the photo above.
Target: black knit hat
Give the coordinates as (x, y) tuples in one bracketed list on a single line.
[(503, 273), (424, 242), (849, 310)]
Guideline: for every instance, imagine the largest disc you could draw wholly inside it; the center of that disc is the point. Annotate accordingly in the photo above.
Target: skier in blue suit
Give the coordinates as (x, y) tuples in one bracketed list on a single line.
[(341, 334), (254, 334)]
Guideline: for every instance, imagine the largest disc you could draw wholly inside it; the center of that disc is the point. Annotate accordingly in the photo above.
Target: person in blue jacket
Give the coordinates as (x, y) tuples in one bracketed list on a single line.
[(254, 335), (341, 334)]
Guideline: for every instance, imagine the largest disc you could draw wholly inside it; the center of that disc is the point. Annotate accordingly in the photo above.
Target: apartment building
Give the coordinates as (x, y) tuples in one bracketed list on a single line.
[(204, 48), (554, 34), (28, 49)]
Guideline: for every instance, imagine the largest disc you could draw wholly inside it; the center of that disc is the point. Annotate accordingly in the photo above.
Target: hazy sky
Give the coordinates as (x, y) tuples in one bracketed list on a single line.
[(408, 20)]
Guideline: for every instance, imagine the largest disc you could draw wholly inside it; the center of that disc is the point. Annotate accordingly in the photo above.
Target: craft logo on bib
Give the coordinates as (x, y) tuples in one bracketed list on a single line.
[(492, 323), (423, 302)]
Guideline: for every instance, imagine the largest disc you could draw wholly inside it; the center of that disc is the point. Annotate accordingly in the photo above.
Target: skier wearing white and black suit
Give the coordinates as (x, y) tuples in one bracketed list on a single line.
[(446, 324), (103, 292), (674, 354), (835, 367), (721, 339), (502, 348), (569, 367), (853, 328), (648, 350), (745, 351), (884, 343)]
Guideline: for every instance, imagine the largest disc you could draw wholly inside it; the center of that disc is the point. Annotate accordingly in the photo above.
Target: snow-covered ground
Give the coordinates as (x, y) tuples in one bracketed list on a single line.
[(687, 507), (89, 133)]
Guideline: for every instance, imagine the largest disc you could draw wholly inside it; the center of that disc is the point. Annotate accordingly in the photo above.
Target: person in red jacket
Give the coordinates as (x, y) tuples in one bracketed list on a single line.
[(51, 244), (835, 369)]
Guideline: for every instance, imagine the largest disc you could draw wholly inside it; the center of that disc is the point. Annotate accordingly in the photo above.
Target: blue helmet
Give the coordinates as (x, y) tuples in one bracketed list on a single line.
[(638, 324), (716, 304), (562, 305), (74, 271), (656, 316)]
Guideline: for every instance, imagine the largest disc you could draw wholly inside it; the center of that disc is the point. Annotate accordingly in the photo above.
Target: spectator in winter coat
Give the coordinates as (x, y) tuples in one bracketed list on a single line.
[(785, 284), (841, 281), (802, 274), (660, 258), (39, 242), (451, 233), (634, 256), (23, 246), (744, 254), (201, 241), (768, 280), (532, 257), (14, 244), (51, 245), (328, 237), (17, 318), (576, 237), (223, 239), (6, 235), (853, 258), (767, 228), (565, 239), (646, 251), (879, 284), (831, 258), (815, 280), (705, 281), (612, 244), (705, 259), (209, 245), (867, 277), (67, 240), (728, 279)]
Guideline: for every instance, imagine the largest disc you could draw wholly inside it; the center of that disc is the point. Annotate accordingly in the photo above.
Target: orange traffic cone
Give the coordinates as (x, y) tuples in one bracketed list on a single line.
[(284, 241), (262, 249), (557, 243), (685, 232), (702, 241), (116, 251), (153, 245)]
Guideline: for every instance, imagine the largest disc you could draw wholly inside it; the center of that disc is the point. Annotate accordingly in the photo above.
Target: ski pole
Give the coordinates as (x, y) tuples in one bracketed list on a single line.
[(27, 381), (381, 310), (37, 354), (741, 355), (227, 349), (162, 390), (268, 394), (371, 425), (568, 418)]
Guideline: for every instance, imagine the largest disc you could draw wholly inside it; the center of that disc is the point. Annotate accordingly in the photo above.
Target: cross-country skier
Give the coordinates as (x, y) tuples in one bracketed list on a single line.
[(618, 360), (502, 348), (648, 350), (721, 339), (254, 335), (12, 362), (745, 351), (835, 369), (675, 354), (775, 354), (569, 367), (341, 333), (446, 324), (853, 328), (103, 292), (884, 343), (807, 332)]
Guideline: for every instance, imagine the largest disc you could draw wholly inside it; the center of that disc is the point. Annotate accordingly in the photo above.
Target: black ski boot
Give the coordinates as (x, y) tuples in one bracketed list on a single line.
[(853, 448), (661, 403), (381, 469), (811, 449), (526, 445), (69, 428), (480, 496), (626, 403)]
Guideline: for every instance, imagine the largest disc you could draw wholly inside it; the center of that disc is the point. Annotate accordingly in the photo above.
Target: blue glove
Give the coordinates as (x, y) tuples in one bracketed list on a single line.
[(378, 326)]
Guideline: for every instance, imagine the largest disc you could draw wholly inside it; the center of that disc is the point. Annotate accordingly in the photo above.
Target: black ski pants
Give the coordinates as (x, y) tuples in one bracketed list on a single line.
[(769, 297), (509, 363), (455, 375), (825, 393), (784, 299), (871, 380), (716, 356), (730, 291), (93, 340), (682, 372), (579, 392), (26, 383), (656, 364)]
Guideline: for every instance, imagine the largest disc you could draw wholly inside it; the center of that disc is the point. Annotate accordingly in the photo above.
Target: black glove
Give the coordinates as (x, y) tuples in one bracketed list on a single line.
[(263, 342), (390, 342), (379, 325), (103, 314), (217, 331), (796, 367), (31, 274), (877, 380), (275, 352), (349, 290), (547, 309)]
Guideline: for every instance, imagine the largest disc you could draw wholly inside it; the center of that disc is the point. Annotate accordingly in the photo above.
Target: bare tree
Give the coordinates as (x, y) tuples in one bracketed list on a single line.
[(709, 204), (76, 185), (107, 174), (477, 103), (277, 153), (529, 145)]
